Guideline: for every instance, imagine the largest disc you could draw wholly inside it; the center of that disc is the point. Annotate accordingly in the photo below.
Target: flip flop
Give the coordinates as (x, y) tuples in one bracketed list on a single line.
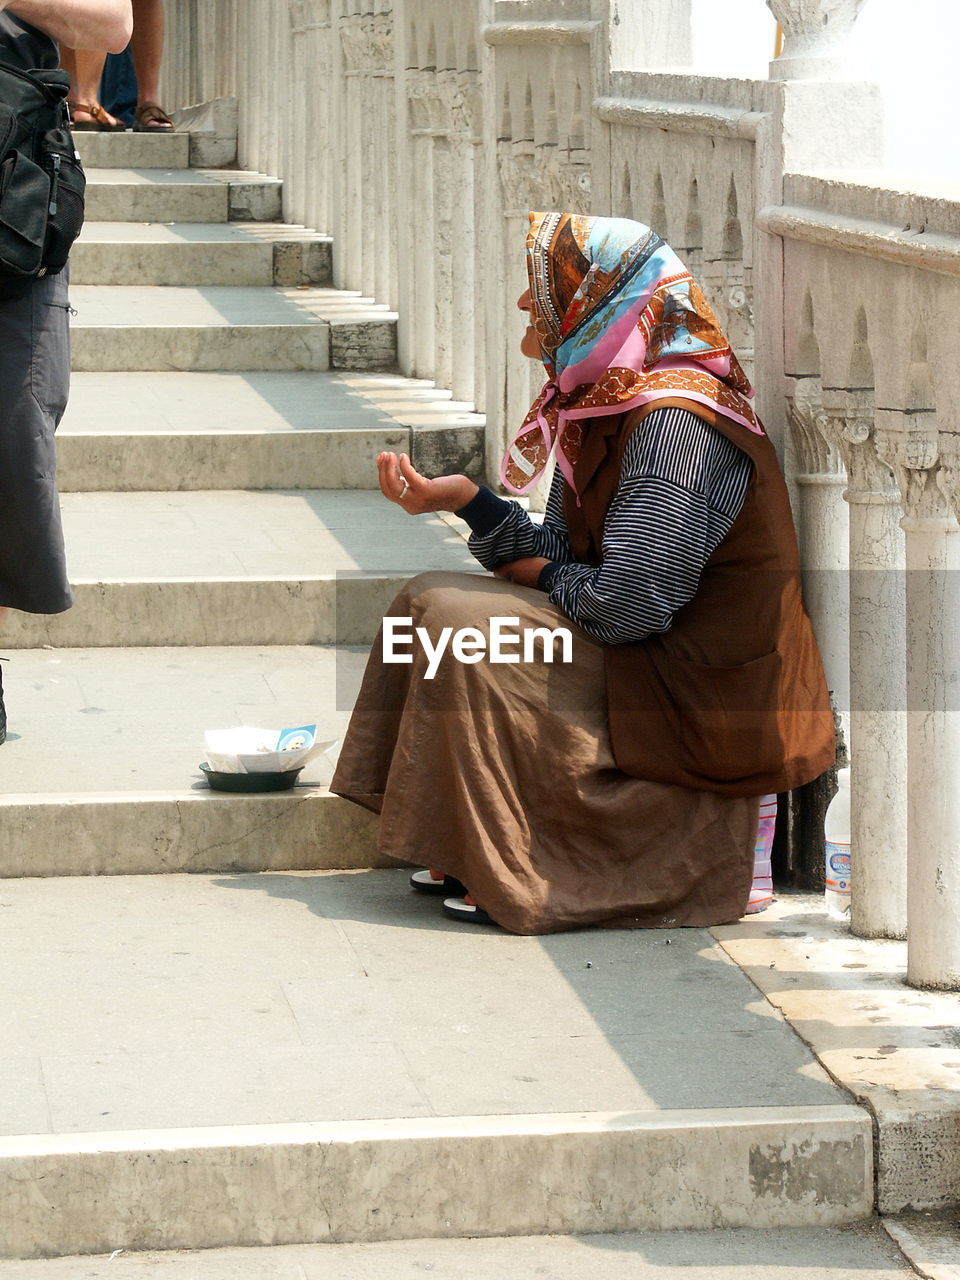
[(150, 117)]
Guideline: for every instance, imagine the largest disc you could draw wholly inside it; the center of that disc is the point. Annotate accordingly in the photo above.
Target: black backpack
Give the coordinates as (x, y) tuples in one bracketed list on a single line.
[(41, 179)]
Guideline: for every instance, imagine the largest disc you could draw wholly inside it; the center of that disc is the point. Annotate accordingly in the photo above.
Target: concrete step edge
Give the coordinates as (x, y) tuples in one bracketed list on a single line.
[(286, 261), (339, 608), (125, 230), (359, 343), (131, 150), (164, 832), (254, 198), (444, 1177), (321, 457), (112, 348)]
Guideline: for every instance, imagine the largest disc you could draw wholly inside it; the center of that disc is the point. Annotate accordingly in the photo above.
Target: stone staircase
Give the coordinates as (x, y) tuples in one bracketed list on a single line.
[(313, 1054), (216, 465)]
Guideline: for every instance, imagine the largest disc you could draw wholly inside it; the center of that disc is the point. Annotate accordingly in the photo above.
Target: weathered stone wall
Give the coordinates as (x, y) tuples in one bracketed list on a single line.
[(420, 132)]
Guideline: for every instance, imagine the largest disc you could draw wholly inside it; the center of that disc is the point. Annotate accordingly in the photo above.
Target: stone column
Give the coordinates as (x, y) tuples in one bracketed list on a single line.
[(348, 259), (878, 719), (654, 35), (418, 262), (931, 497), (823, 535), (816, 38), (378, 209), (464, 111)]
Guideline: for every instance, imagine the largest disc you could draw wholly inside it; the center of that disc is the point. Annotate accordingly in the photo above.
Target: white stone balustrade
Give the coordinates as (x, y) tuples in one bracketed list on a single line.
[(875, 273), (419, 133)]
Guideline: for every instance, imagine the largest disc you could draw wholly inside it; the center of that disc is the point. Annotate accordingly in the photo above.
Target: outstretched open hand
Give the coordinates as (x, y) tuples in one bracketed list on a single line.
[(403, 484)]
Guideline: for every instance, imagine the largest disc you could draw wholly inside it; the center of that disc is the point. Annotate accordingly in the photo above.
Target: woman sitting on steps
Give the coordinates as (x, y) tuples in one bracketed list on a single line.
[(621, 787)]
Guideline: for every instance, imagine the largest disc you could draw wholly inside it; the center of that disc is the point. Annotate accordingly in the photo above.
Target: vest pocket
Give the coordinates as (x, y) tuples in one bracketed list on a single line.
[(24, 189), (729, 728)]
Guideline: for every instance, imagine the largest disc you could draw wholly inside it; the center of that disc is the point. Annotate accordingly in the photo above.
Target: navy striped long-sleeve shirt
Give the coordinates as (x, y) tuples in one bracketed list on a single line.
[(682, 484)]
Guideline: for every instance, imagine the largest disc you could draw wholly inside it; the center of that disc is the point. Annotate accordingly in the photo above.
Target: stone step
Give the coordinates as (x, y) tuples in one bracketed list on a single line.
[(894, 1047), (198, 253), (131, 150), (236, 568), (169, 431), (132, 328), (182, 195), (338, 1182), (309, 1057), (863, 1252), (101, 772)]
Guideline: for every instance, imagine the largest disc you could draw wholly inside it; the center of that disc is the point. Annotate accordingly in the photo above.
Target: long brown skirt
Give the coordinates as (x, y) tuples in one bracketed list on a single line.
[(502, 775)]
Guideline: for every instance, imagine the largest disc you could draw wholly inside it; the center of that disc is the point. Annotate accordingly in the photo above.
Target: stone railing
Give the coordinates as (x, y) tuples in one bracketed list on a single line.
[(420, 132), (872, 284)]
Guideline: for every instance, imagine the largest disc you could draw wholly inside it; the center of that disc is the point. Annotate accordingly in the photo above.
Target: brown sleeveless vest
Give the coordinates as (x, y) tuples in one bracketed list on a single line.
[(732, 698)]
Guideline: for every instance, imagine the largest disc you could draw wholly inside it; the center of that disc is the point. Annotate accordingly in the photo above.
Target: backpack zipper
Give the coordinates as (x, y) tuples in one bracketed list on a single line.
[(54, 182)]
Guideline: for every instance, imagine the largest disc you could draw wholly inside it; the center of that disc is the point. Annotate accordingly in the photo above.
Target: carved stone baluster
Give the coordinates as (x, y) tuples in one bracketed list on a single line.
[(910, 445), (377, 130), (823, 535), (464, 113), (308, 153), (816, 37), (348, 260), (418, 328), (878, 722)]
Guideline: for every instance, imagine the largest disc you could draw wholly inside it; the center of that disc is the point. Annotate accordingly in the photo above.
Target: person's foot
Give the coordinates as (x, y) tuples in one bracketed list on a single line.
[(429, 881), (466, 909), (91, 117), (150, 117), (3, 712)]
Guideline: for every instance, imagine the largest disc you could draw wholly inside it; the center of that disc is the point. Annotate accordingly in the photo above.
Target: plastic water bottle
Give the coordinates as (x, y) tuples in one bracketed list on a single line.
[(837, 869)]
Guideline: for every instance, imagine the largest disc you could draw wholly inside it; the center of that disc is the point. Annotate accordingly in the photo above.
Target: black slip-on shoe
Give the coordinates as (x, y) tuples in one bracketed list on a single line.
[(457, 909), (424, 882), (3, 713)]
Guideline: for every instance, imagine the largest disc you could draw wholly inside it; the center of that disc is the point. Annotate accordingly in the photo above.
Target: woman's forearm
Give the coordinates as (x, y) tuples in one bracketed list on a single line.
[(82, 24)]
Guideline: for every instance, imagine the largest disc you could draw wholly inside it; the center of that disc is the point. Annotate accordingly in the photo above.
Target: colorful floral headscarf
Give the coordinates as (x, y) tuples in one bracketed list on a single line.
[(621, 322)]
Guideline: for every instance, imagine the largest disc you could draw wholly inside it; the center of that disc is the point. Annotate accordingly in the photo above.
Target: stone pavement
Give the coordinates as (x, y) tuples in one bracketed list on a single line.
[(858, 1253), (286, 997), (289, 1057)]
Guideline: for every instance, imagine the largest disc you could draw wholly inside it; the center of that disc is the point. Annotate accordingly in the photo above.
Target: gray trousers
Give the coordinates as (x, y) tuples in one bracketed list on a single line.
[(34, 381)]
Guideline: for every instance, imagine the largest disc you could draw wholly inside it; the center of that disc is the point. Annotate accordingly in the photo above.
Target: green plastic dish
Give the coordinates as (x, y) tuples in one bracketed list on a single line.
[(250, 783)]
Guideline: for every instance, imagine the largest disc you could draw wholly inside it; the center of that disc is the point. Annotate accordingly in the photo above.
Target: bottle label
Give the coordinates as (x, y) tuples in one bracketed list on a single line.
[(837, 871)]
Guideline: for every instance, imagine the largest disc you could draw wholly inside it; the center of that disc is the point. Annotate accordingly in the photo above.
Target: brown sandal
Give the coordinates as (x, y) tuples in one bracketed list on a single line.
[(101, 122), (150, 117)]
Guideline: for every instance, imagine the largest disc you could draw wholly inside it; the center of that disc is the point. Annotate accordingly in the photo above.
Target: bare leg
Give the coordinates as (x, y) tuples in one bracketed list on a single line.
[(85, 67), (147, 49)]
